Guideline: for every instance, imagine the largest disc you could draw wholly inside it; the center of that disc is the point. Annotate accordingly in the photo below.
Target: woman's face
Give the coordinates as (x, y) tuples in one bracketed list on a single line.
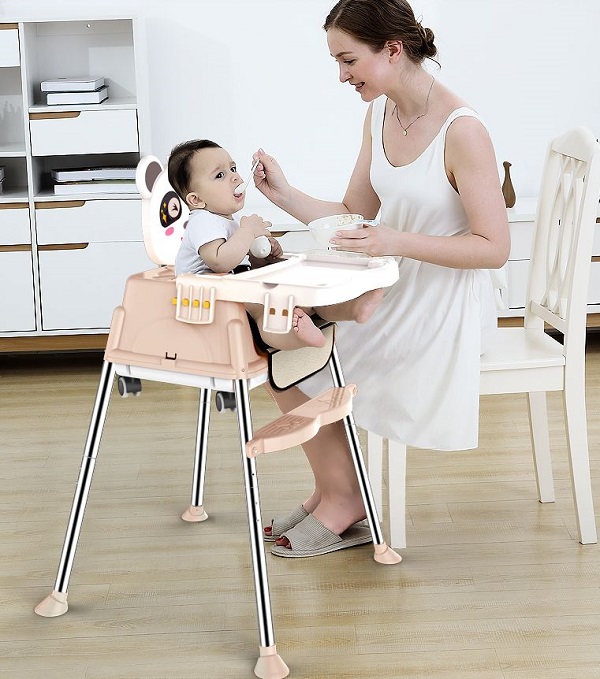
[(359, 66)]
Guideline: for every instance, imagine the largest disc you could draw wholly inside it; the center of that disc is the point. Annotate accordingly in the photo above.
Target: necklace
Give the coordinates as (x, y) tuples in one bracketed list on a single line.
[(425, 112)]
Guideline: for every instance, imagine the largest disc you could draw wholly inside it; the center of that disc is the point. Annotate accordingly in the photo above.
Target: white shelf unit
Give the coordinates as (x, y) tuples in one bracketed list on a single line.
[(65, 258)]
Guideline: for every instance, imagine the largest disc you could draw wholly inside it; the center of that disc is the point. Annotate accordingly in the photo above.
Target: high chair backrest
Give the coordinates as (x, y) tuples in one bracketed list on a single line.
[(164, 214), (563, 234)]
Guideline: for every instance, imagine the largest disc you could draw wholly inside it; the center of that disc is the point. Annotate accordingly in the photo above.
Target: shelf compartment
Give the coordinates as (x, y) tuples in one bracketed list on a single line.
[(9, 45)]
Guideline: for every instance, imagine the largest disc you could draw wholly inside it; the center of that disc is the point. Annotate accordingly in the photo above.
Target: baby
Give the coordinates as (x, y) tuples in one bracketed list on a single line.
[(206, 178)]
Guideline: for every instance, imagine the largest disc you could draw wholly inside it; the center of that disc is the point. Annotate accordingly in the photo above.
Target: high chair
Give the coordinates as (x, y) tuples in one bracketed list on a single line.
[(529, 360), (194, 331)]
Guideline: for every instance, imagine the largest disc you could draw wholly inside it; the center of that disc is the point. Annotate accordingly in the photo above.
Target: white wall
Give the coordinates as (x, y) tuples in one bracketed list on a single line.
[(250, 73)]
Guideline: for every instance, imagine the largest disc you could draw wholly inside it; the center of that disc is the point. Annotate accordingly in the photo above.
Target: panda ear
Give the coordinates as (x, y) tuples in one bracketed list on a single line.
[(148, 170)]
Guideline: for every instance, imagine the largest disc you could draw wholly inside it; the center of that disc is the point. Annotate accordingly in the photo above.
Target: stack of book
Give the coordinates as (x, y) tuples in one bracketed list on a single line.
[(94, 180), (75, 90)]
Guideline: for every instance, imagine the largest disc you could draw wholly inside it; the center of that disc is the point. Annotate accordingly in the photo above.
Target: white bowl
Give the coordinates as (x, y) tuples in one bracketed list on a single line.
[(324, 228)]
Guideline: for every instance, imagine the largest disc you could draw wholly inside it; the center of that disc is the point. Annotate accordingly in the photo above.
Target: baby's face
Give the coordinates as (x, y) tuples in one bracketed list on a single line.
[(214, 178)]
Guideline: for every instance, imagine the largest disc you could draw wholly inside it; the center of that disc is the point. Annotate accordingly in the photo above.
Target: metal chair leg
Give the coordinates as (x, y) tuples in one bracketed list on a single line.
[(195, 512), (56, 603), (383, 553), (269, 664)]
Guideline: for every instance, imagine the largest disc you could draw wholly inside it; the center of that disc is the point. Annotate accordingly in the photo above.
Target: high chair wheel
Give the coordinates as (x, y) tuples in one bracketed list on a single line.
[(224, 400), (129, 385)]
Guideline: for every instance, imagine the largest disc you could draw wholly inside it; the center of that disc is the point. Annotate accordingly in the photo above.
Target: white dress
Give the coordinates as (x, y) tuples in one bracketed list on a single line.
[(416, 361)]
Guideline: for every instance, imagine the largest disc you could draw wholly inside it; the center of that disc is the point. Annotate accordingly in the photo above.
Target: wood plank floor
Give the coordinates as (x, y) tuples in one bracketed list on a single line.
[(493, 584)]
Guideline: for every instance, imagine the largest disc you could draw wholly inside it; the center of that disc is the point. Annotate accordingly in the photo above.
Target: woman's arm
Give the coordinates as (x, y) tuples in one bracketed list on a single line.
[(472, 170), (360, 197)]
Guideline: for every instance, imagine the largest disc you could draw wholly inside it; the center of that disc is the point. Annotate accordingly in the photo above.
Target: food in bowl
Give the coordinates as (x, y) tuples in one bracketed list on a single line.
[(324, 228)]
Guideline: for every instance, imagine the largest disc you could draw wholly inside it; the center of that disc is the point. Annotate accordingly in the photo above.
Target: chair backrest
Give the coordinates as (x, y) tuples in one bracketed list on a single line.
[(563, 236), (164, 214)]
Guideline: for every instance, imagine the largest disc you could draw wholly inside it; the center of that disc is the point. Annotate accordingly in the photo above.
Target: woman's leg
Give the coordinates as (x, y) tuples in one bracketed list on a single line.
[(359, 309), (336, 501)]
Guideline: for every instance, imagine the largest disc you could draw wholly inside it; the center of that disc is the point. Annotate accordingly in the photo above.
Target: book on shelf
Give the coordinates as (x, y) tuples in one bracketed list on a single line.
[(1, 185), (94, 97), (72, 84), (95, 186), (81, 174), (1, 172)]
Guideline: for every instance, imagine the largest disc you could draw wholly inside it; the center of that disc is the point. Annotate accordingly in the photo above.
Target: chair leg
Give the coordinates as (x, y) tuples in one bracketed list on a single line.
[(540, 445), (397, 492), (383, 553), (195, 512), (577, 446), (375, 467), (56, 603), (269, 664)]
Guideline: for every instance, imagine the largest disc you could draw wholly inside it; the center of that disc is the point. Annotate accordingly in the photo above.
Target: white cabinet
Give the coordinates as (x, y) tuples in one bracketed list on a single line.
[(64, 258)]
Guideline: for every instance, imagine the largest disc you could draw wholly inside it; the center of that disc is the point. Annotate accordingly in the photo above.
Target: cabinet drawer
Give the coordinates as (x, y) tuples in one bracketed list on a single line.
[(80, 288), (14, 224), (96, 221), (16, 302), (81, 132), (9, 45)]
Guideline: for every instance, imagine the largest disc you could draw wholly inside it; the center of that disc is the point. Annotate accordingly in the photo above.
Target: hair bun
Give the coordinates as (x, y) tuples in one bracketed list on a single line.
[(428, 48)]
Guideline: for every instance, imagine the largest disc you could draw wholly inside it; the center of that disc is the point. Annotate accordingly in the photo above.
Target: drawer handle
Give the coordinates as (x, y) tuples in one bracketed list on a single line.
[(15, 248), (13, 206), (596, 258), (54, 115), (62, 246), (8, 27), (50, 205)]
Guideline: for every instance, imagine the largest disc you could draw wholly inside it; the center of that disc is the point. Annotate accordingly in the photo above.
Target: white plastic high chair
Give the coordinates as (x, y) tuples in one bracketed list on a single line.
[(194, 331), (528, 360)]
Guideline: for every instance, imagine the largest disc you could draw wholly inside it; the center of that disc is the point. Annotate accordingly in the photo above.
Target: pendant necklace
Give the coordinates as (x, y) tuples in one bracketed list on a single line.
[(425, 112)]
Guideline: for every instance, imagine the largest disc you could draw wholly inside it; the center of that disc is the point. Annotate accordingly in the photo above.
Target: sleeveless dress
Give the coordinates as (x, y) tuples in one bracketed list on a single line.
[(416, 361)]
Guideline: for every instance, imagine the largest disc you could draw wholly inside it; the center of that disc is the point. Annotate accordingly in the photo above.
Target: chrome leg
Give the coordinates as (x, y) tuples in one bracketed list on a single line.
[(85, 477), (357, 456), (201, 448), (259, 564)]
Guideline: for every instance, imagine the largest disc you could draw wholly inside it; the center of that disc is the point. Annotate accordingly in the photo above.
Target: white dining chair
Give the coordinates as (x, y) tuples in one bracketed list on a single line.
[(528, 359)]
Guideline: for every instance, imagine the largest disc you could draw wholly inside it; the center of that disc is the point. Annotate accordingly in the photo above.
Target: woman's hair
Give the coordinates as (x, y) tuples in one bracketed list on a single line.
[(374, 22), (179, 163)]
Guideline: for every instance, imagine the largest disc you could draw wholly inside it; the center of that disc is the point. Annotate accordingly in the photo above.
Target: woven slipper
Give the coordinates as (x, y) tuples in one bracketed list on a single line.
[(282, 523), (311, 538)]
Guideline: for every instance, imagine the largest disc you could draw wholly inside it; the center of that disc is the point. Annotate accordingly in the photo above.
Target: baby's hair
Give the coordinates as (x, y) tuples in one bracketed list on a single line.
[(179, 163)]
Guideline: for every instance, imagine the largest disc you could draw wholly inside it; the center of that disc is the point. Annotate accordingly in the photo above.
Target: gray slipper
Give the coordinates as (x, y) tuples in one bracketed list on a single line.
[(282, 523), (311, 538)]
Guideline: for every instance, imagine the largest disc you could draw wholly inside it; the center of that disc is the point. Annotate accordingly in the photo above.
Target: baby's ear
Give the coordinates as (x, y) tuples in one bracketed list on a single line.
[(194, 201)]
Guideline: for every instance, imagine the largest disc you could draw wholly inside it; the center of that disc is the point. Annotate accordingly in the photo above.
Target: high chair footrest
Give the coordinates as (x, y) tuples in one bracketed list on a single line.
[(303, 422)]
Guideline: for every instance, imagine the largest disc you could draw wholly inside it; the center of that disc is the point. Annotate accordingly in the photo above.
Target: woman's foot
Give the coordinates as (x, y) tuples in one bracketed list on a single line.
[(282, 523), (306, 331)]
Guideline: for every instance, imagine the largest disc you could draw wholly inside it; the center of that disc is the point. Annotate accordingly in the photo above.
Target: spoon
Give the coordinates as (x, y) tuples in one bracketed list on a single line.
[(242, 187)]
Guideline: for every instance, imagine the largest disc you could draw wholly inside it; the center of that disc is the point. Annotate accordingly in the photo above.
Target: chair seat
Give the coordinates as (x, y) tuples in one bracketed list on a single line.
[(522, 360), (519, 348)]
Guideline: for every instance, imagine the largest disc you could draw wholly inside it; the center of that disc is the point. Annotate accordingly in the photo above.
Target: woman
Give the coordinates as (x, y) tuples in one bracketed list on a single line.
[(428, 166)]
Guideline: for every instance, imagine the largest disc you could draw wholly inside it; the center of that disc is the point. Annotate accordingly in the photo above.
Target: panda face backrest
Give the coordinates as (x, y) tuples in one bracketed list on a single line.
[(164, 214)]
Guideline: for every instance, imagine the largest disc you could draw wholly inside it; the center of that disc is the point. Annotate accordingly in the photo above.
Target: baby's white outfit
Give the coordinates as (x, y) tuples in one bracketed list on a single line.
[(202, 227)]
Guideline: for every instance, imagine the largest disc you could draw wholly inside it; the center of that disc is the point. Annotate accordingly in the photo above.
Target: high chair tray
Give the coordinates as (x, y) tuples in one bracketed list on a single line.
[(305, 279)]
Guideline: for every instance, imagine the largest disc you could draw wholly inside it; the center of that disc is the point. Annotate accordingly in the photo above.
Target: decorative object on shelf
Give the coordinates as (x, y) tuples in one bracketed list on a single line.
[(508, 190)]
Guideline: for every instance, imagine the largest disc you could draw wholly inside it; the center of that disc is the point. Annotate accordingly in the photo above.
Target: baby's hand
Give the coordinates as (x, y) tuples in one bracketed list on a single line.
[(257, 225)]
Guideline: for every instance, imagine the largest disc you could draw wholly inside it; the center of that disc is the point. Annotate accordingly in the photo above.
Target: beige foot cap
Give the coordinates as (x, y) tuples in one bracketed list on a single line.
[(270, 665), (53, 605), (386, 555), (194, 514)]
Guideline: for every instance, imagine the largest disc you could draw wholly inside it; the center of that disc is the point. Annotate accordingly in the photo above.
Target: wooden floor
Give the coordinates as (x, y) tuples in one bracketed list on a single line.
[(493, 585)]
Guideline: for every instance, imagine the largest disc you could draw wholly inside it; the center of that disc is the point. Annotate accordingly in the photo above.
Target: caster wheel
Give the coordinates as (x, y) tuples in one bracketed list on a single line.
[(224, 400), (129, 385)]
